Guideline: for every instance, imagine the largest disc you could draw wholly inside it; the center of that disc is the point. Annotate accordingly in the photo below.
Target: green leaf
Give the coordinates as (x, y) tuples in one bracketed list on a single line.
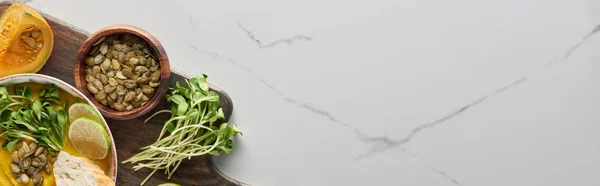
[(214, 152), (53, 114), (182, 105), (22, 90), (50, 94), (36, 106), (203, 83), (193, 85), (10, 144), (62, 118), (227, 146), (3, 93)]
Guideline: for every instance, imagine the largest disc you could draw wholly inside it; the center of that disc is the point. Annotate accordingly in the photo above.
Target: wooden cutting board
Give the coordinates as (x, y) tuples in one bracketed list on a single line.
[(131, 135)]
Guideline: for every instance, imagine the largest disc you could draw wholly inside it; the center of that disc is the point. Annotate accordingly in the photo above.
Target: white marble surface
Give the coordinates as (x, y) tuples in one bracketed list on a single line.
[(389, 92)]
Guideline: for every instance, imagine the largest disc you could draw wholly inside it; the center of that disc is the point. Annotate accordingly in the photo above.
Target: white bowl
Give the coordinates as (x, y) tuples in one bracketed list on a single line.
[(44, 79)]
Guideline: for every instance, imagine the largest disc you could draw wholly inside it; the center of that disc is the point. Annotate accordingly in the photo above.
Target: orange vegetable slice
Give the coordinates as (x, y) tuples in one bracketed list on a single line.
[(26, 41)]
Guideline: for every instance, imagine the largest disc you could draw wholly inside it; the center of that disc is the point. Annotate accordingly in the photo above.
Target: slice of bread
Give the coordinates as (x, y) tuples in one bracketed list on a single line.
[(74, 171)]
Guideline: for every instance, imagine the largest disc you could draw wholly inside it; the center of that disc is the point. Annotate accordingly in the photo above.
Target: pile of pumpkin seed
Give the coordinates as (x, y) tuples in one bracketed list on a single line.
[(34, 41), (28, 161), (122, 72)]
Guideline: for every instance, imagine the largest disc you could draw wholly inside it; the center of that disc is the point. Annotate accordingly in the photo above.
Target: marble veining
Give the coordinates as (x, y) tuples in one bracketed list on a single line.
[(260, 44), (381, 144), (583, 40), (431, 168)]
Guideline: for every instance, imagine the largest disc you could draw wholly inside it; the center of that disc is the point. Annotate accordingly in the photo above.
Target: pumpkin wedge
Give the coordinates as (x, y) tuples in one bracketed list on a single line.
[(26, 41)]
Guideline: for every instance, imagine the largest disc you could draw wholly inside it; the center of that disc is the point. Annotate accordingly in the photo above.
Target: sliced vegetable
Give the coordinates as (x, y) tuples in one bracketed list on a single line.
[(89, 138), (78, 110), (26, 40)]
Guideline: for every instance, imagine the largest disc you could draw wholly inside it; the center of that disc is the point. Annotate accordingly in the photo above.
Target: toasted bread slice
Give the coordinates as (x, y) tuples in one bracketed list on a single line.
[(75, 171)]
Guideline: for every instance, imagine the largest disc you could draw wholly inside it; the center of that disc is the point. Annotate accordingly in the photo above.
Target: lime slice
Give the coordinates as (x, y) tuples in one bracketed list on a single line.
[(78, 110), (89, 138), (169, 184)]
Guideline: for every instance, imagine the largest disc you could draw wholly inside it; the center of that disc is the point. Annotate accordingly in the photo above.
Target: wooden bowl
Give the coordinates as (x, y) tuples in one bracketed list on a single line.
[(159, 51)]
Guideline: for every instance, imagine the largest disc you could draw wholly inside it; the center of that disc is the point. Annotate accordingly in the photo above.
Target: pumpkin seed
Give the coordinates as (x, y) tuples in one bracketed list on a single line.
[(35, 162), (109, 88), (38, 179), (25, 146), (130, 84), (15, 168), (115, 64), (113, 95), (42, 159), (120, 75), (25, 34), (110, 74), (146, 98), (15, 158), (92, 89), (141, 69), (89, 61), (39, 151), (142, 80), (35, 33), (139, 96), (95, 70), (98, 84), (99, 41), (106, 64), (25, 163), (99, 58), (153, 68), (130, 96), (103, 79), (30, 172), (112, 81), (21, 152), (134, 61), (118, 106), (142, 60), (127, 72), (29, 153), (101, 95), (89, 78), (146, 89), (103, 48), (48, 166), (155, 76), (136, 104), (32, 146), (121, 90), (104, 102), (109, 100), (29, 41), (23, 178), (154, 84)]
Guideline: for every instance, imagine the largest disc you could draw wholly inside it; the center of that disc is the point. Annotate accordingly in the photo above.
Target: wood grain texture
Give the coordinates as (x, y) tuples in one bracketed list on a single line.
[(131, 135), (157, 50)]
